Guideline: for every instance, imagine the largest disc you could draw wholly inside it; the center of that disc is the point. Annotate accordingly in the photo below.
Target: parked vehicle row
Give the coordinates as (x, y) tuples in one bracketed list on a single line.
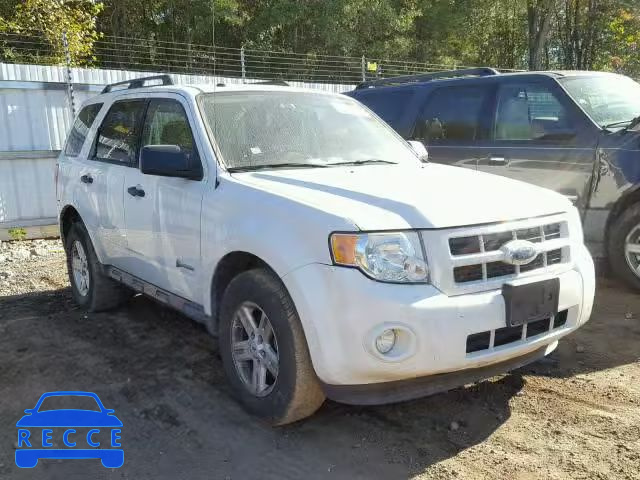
[(319, 248), (577, 133)]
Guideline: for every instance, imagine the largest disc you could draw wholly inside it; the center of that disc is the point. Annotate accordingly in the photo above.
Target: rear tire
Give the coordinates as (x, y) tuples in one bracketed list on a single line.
[(91, 288), (623, 239), (257, 303)]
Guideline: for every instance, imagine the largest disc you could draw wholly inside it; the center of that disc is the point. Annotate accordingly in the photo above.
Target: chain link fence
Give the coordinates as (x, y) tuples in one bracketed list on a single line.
[(120, 53)]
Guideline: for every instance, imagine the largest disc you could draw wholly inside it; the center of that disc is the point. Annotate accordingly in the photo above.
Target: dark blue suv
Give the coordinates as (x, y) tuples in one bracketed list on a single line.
[(575, 132)]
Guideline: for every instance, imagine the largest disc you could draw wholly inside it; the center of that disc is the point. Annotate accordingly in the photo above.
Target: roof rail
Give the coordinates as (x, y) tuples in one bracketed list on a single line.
[(280, 83), (426, 77), (139, 82)]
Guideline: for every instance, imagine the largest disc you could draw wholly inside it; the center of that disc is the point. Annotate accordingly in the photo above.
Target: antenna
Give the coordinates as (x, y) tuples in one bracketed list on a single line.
[(215, 81), (213, 37)]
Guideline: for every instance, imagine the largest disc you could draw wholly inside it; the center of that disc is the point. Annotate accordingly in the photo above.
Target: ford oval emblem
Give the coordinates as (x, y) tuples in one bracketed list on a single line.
[(519, 252)]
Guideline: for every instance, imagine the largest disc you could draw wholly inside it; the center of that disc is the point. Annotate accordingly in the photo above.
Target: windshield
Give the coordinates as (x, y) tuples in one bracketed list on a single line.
[(66, 402), (612, 101), (298, 129)]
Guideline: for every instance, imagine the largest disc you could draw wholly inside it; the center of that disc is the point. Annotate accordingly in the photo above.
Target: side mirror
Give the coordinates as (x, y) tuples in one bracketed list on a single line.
[(29, 411), (167, 161), (420, 149)]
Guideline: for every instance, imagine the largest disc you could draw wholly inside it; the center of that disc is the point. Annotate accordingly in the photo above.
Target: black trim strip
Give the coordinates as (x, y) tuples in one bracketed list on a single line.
[(398, 391), (188, 308)]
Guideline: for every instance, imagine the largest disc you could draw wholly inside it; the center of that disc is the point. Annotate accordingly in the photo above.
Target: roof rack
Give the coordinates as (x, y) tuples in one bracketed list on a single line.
[(426, 77), (139, 82)]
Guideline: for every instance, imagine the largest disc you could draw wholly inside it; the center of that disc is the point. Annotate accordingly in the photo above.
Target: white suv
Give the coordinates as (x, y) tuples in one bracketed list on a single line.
[(327, 257)]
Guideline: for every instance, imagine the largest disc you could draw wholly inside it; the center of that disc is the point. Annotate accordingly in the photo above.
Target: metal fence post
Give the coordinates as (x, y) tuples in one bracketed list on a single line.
[(242, 65), (364, 69), (67, 55)]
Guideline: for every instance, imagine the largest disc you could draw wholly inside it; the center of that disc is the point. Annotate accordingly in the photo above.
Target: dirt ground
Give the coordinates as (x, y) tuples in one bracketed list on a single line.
[(575, 414)]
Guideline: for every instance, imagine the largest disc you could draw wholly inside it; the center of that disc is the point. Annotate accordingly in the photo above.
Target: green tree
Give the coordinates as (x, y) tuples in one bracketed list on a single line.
[(136, 33), (43, 22), (376, 28), (177, 35), (623, 43), (581, 31)]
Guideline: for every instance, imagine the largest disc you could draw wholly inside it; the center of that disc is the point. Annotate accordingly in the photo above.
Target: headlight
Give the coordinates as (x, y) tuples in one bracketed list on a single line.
[(387, 256)]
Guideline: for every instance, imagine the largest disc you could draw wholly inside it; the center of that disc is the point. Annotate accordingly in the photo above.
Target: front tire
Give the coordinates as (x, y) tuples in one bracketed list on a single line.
[(623, 248), (264, 350), (91, 288)]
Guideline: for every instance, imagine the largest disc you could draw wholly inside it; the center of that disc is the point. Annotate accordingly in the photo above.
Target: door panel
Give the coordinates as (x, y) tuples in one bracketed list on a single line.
[(566, 170), (112, 154), (540, 137), (105, 198), (163, 226), (458, 155)]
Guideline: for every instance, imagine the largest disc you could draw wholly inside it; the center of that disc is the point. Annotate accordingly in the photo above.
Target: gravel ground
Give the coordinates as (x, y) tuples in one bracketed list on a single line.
[(575, 414)]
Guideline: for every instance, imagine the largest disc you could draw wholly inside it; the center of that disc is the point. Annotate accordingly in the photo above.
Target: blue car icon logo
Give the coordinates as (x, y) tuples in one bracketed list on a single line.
[(92, 431)]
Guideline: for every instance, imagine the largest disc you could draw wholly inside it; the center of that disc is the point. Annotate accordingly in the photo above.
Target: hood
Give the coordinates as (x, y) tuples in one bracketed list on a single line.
[(386, 197)]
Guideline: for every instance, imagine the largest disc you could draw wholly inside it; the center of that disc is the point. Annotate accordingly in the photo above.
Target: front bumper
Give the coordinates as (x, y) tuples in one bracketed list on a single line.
[(400, 390), (342, 311)]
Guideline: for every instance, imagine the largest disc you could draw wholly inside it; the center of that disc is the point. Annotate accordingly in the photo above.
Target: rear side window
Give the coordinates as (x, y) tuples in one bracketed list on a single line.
[(117, 139), (81, 128), (453, 115), (390, 106)]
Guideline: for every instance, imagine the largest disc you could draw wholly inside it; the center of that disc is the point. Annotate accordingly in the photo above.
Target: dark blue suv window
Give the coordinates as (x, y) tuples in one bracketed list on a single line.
[(454, 114), (529, 111), (388, 105)]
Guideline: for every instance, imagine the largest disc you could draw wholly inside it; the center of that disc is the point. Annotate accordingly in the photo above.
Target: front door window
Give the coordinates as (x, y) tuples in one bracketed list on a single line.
[(529, 112)]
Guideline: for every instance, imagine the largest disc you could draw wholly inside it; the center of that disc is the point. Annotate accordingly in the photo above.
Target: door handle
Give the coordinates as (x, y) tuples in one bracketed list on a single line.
[(86, 179), (498, 160), (135, 191), (181, 264)]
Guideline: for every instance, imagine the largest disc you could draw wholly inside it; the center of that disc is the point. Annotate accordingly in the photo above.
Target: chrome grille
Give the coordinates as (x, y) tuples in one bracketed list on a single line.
[(478, 257)]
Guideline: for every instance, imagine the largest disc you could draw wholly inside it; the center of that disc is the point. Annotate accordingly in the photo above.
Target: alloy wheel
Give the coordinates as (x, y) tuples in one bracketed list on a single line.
[(632, 250), (254, 349), (80, 268)]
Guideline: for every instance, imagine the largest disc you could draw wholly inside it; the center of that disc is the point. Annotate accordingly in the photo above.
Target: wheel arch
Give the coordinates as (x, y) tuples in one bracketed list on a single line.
[(68, 216), (627, 199), (229, 267)]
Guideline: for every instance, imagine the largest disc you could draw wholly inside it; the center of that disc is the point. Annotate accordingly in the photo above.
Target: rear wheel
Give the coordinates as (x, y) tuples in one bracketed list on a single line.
[(91, 288), (264, 350), (624, 246)]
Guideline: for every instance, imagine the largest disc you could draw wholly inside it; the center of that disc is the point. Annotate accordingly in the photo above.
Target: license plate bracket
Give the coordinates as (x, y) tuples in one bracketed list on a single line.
[(531, 301)]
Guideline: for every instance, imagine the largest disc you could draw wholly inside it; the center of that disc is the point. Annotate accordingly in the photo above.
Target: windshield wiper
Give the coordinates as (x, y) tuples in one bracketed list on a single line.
[(629, 124), (363, 162), (270, 166)]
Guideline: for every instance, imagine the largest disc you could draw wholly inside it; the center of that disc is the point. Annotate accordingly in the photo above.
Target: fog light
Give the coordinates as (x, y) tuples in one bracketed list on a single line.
[(386, 341)]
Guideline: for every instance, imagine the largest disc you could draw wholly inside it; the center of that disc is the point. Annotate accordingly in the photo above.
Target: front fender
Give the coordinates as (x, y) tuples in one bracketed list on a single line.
[(283, 233)]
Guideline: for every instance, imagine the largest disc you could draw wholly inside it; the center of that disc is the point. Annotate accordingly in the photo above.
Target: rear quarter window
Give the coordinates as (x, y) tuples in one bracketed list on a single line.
[(81, 128), (390, 106)]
